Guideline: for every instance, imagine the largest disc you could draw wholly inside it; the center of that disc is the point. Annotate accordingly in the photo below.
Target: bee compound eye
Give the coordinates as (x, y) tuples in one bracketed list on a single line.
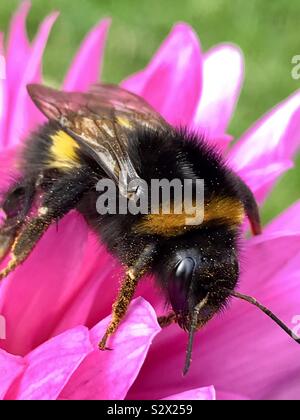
[(179, 284), (185, 268)]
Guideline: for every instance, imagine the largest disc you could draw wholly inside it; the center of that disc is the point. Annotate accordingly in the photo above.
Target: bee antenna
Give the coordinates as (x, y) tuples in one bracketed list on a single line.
[(192, 331), (266, 311)]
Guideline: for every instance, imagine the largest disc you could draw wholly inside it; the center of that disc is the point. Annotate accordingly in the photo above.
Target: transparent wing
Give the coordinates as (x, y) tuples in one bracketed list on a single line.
[(101, 121)]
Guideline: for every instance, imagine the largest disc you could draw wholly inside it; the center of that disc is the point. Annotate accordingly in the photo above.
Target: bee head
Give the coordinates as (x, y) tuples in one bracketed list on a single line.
[(198, 284), (196, 278)]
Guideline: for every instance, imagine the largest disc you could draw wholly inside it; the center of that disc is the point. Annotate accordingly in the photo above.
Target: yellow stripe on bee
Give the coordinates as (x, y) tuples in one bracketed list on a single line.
[(227, 209), (63, 151), (224, 210), (124, 122)]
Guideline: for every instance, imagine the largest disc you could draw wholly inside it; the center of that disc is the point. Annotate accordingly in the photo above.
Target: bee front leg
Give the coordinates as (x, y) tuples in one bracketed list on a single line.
[(56, 203), (167, 320), (120, 306), (15, 206), (25, 242), (127, 291)]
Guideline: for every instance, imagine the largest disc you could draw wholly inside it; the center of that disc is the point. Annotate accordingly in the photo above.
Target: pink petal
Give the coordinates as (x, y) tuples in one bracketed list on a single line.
[(288, 221), (51, 365), (8, 168), (3, 93), (100, 269), (203, 394), (261, 361), (84, 70), (172, 82), (10, 368), (103, 270), (220, 142), (227, 396), (34, 298), (25, 116), (109, 375), (261, 180), (136, 82), (84, 308), (18, 48), (283, 242), (223, 75), (273, 139)]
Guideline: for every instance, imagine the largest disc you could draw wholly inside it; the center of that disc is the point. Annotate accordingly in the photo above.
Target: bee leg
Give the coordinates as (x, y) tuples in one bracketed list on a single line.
[(127, 291), (57, 202), (251, 207), (7, 236), (25, 242), (16, 205), (120, 306), (167, 320)]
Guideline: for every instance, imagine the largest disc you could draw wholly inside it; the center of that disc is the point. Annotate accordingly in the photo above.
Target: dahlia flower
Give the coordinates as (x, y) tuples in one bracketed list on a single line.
[(56, 304)]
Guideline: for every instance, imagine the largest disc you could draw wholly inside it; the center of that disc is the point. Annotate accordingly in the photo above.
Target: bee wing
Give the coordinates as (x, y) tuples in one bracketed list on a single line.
[(126, 105), (101, 121)]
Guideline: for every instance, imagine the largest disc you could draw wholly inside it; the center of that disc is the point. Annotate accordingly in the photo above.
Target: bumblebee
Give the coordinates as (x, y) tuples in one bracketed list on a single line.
[(111, 133)]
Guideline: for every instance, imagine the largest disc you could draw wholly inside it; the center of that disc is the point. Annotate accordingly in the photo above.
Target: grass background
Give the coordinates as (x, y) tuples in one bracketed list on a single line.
[(267, 31)]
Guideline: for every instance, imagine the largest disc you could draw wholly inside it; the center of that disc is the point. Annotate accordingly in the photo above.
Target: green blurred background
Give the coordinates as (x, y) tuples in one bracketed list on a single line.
[(267, 31)]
